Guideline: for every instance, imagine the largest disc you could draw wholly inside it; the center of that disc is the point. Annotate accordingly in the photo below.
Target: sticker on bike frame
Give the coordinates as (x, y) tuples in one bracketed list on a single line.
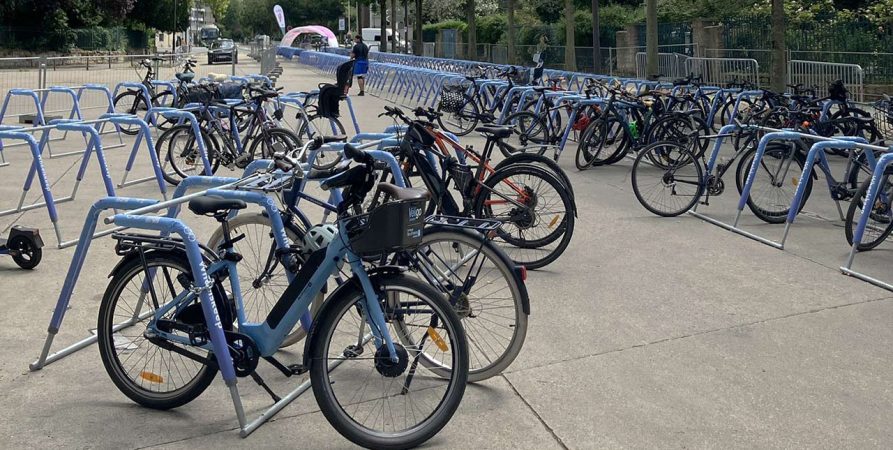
[(438, 341)]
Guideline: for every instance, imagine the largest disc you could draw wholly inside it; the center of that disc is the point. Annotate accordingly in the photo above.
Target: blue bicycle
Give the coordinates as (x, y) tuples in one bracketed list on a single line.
[(165, 320)]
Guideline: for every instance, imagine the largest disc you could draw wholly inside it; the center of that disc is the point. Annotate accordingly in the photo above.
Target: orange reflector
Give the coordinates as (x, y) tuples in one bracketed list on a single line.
[(438, 341), (795, 181), (151, 377), (554, 221), (523, 273)]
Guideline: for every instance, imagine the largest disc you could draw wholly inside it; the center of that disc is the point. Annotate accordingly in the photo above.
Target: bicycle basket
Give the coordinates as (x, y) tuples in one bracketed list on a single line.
[(197, 94), (390, 227), (883, 117), (521, 76), (452, 98)]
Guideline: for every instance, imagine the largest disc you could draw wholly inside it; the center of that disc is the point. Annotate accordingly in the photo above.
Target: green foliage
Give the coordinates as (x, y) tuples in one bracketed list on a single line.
[(161, 14), (549, 11), (446, 25), (491, 28)]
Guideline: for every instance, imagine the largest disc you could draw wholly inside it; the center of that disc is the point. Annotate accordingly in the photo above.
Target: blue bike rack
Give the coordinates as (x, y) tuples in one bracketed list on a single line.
[(109, 109), (143, 135), (186, 116), (870, 197)]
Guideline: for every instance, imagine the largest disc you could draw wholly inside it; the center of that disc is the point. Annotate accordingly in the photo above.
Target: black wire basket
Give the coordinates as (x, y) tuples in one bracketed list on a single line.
[(883, 117), (388, 228), (452, 98)]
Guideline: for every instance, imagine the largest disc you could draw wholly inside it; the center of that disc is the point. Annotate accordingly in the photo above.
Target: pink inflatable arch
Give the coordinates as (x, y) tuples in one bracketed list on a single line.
[(316, 29)]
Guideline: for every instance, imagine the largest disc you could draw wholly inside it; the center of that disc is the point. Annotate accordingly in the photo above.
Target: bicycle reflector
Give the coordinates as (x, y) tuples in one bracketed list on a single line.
[(438, 341), (151, 377)]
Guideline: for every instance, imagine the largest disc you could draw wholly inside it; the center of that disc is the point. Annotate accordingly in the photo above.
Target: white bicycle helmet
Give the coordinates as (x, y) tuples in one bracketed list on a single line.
[(319, 237)]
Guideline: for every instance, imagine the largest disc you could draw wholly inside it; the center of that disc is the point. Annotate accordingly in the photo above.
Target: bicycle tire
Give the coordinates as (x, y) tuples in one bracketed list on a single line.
[(675, 157), (324, 160), (163, 99), (881, 213), (564, 219), (486, 320), (133, 270), (460, 127), (541, 161), (165, 144), (130, 102), (323, 381), (785, 156)]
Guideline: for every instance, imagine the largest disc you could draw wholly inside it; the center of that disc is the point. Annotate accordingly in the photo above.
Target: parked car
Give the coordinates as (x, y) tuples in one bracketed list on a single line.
[(223, 50)]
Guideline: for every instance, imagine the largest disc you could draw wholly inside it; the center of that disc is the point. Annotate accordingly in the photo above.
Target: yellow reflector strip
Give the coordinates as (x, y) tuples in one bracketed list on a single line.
[(554, 221), (151, 377), (795, 181), (438, 341)]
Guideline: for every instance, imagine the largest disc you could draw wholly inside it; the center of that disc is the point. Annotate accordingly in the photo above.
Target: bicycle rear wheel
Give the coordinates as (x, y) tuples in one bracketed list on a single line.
[(133, 103), (603, 142), (538, 230), (529, 134), (672, 187), (323, 126), (148, 374), (463, 120), (178, 147), (370, 400), (491, 307)]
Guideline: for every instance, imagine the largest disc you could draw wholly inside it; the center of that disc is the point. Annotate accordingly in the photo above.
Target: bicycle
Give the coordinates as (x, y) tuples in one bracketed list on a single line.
[(455, 256), (462, 111), (534, 206), (191, 323), (642, 120), (225, 145), (132, 101), (679, 179)]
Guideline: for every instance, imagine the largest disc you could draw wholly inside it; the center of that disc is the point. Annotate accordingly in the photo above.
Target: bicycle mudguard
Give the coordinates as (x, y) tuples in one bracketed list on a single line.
[(291, 293), (349, 287)]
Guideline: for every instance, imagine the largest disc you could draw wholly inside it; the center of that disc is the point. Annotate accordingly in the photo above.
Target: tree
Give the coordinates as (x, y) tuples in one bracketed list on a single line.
[(163, 15), (510, 19), (383, 37), (472, 29), (651, 39), (596, 39), (393, 38), (779, 65), (218, 7), (231, 21), (570, 49), (417, 33)]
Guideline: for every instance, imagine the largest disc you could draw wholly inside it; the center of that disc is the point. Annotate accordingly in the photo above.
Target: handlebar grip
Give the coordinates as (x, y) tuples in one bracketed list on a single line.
[(354, 153)]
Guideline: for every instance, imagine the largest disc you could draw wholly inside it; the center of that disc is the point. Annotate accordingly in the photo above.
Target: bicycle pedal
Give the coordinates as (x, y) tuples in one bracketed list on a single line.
[(297, 369)]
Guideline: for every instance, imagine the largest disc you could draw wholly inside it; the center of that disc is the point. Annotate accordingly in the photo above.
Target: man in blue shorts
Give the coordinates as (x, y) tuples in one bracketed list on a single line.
[(360, 54)]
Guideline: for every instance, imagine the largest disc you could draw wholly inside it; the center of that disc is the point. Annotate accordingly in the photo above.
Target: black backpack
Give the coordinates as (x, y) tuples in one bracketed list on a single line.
[(837, 91), (329, 97), (344, 75)]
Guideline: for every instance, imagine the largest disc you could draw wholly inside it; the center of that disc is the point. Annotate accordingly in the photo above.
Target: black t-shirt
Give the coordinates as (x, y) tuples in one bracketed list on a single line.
[(361, 51)]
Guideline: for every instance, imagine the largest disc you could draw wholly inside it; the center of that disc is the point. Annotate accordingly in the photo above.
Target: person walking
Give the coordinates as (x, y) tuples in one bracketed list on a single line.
[(360, 54)]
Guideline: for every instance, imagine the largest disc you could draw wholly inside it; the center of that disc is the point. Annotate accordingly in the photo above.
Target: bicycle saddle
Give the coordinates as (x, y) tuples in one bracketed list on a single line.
[(213, 204), (185, 77), (400, 193), (217, 77), (497, 131)]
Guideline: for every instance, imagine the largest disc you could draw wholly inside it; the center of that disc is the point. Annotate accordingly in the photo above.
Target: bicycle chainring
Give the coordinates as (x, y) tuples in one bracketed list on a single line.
[(244, 353)]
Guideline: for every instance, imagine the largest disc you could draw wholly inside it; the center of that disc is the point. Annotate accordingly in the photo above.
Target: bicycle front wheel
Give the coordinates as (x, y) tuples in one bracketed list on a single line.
[(133, 103), (178, 147), (370, 399), (880, 219), (775, 181), (463, 120), (491, 308), (529, 134), (671, 187)]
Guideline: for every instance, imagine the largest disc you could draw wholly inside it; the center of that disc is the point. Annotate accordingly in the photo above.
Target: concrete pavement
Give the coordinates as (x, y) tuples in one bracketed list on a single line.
[(647, 332)]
